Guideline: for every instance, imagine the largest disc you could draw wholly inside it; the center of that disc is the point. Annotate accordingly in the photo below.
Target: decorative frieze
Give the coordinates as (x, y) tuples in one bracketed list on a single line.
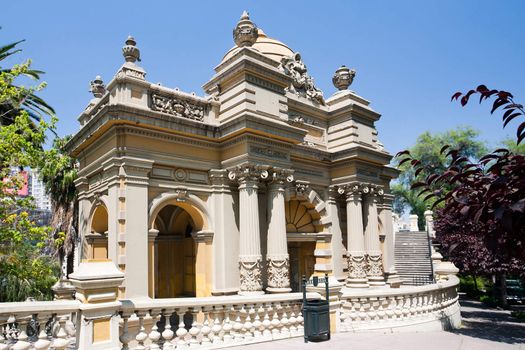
[(178, 107), (268, 152)]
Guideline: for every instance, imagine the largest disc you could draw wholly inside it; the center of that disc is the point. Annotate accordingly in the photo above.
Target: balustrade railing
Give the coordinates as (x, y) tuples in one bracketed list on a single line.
[(158, 323), (210, 322), (38, 325), (406, 306)]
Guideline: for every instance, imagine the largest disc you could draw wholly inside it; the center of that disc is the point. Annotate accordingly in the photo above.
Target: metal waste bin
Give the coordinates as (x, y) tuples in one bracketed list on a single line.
[(316, 313)]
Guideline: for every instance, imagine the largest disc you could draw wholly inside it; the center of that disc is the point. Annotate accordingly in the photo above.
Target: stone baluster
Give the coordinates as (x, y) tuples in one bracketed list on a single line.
[(3, 333), (267, 323), (167, 333), (250, 258), (237, 325), (372, 244), (285, 322), (154, 335), (125, 337), (22, 338), (355, 239), (43, 343), (227, 326), (141, 335), (276, 323), (217, 327), (248, 325), (300, 320), (206, 329), (61, 342), (257, 323), (292, 321), (194, 330), (277, 256), (181, 331)]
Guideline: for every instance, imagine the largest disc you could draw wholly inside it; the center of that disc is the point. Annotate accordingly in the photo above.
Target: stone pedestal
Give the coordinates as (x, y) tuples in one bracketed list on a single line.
[(356, 244), (63, 290), (277, 255), (97, 282), (414, 227)]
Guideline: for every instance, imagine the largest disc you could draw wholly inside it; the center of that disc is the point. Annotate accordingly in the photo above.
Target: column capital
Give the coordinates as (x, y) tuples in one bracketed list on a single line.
[(248, 173)]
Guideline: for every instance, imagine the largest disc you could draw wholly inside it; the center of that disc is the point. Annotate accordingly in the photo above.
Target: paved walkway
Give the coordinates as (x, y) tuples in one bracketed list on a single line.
[(483, 329)]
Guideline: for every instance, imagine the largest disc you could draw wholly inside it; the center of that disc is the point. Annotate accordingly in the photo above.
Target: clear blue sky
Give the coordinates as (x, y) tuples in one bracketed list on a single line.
[(410, 56)]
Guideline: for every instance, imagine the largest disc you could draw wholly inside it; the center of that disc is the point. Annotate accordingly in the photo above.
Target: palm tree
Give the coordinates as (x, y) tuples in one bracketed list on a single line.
[(28, 101), (58, 175)]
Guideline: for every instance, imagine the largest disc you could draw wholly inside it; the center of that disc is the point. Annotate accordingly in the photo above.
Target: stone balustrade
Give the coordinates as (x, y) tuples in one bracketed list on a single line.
[(38, 325), (157, 323), (429, 307)]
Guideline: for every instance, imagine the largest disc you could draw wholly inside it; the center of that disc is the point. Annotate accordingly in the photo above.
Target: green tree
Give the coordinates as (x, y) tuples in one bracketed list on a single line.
[(427, 150), (26, 270), (511, 145), (58, 175)]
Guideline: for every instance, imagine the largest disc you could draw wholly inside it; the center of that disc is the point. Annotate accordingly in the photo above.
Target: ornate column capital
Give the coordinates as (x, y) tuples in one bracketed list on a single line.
[(280, 176), (248, 173)]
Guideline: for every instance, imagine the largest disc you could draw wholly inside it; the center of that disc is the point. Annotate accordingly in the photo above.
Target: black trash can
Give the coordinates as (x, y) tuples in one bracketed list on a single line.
[(316, 315)]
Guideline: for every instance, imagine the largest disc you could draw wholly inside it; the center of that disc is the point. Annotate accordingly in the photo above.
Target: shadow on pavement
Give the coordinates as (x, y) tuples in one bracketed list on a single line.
[(480, 321)]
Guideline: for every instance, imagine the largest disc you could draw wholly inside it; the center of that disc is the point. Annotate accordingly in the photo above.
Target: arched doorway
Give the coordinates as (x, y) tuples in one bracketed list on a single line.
[(301, 232), (175, 253), (97, 239)]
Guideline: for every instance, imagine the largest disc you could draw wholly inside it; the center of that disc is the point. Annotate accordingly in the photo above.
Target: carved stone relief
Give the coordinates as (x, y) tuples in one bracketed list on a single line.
[(177, 107), (303, 83)]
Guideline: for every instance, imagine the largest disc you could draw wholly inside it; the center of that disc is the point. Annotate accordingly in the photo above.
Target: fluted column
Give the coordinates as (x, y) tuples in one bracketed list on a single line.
[(372, 243), (391, 276), (355, 240), (277, 246), (250, 258)]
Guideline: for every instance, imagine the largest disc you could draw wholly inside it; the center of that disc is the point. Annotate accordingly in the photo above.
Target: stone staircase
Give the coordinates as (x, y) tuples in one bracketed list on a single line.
[(412, 257)]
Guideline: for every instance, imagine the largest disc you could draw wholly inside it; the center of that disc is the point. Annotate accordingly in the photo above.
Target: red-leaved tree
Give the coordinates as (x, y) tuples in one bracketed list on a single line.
[(481, 217)]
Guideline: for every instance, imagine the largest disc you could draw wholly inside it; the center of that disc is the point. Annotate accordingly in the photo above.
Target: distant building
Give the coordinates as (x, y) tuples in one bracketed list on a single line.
[(38, 191)]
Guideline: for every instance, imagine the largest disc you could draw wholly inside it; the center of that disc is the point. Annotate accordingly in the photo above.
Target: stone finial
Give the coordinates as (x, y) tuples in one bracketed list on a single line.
[(97, 87), (245, 33), (130, 51), (343, 77)]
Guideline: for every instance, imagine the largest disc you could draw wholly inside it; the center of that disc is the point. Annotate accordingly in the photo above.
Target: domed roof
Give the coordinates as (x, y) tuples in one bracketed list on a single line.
[(269, 47)]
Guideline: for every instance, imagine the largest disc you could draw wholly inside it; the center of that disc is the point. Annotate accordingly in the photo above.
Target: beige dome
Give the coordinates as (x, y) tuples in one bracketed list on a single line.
[(269, 47)]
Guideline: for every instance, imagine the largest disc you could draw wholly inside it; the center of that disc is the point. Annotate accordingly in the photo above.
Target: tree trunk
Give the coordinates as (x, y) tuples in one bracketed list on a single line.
[(501, 289)]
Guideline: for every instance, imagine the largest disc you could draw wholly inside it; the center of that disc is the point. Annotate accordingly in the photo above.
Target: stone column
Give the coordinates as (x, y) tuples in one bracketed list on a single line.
[(392, 278), (277, 246), (152, 261), (225, 245), (355, 240), (250, 257), (337, 238), (372, 245)]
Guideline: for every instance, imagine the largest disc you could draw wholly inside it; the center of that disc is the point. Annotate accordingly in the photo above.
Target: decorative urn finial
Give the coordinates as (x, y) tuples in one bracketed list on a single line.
[(343, 77), (130, 51), (98, 89), (245, 33)]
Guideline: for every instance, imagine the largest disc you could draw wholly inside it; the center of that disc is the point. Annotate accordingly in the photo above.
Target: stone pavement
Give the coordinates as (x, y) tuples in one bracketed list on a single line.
[(483, 329)]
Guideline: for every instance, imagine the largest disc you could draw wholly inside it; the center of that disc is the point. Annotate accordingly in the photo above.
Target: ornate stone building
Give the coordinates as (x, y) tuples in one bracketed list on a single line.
[(200, 215), (245, 190)]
